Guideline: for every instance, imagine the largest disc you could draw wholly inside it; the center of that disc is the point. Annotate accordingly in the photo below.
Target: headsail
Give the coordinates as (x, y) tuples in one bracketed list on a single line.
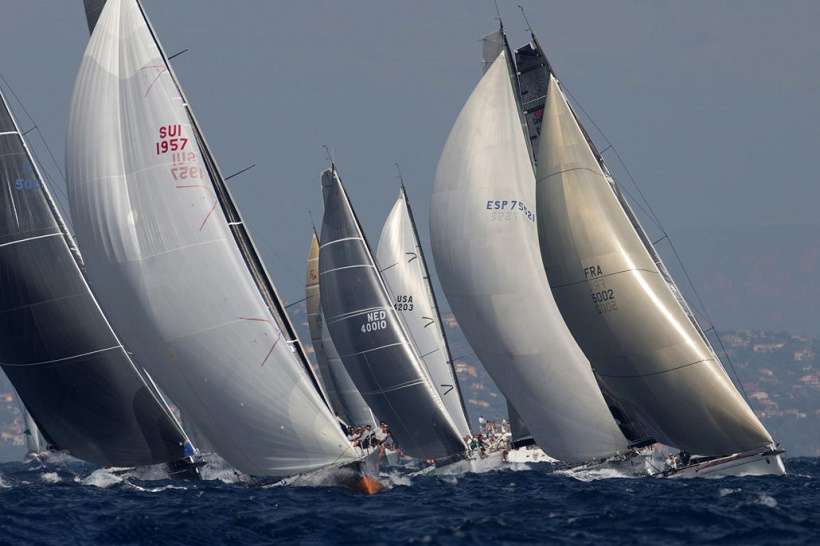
[(169, 254), (404, 270), (93, 9), (651, 358), (345, 398), (372, 340), (520, 435), (56, 347), (485, 247)]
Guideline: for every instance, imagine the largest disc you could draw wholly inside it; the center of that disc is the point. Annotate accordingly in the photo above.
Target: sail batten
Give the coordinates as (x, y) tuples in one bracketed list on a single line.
[(73, 376), (404, 271), (370, 337), (179, 275), (650, 355), (345, 399), (485, 245)]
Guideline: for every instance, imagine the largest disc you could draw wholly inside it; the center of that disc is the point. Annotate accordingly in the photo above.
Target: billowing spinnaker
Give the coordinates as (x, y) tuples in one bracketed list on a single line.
[(485, 246), (56, 346), (652, 362), (167, 267), (345, 398), (403, 270), (371, 338)]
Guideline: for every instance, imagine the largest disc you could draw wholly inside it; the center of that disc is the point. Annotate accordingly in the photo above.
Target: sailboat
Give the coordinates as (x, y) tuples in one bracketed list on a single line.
[(372, 340), (179, 274), (658, 371), (36, 444), (72, 374), (344, 397), (404, 269), (485, 247)]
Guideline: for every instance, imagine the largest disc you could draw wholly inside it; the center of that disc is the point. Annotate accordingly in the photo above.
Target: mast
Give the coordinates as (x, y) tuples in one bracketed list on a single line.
[(241, 235), (432, 292)]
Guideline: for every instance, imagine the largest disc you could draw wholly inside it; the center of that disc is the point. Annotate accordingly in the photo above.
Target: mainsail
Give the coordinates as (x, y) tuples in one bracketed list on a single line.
[(485, 245), (404, 270), (345, 398), (169, 254), (56, 346), (653, 362), (372, 340), (520, 435)]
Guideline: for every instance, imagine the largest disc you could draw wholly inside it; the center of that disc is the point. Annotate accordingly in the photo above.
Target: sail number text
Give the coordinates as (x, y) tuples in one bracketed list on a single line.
[(26, 184), (170, 139), (602, 297), (377, 320), (503, 209), (403, 303)]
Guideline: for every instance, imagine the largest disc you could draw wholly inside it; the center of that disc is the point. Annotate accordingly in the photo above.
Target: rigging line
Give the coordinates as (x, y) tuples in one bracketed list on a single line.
[(703, 310), (291, 304), (609, 143), (178, 53), (35, 127), (237, 173)]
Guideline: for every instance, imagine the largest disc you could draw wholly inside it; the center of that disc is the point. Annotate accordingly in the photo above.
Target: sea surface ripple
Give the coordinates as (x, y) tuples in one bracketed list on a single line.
[(69, 503)]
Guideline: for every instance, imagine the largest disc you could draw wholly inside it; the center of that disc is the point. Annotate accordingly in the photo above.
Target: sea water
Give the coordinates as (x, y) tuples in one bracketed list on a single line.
[(66, 502)]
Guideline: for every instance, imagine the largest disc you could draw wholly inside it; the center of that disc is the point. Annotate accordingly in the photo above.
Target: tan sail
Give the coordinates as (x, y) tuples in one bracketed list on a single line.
[(652, 361)]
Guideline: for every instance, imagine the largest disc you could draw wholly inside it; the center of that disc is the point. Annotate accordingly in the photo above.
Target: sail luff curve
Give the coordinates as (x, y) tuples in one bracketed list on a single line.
[(402, 266), (650, 357), (57, 348), (485, 245), (371, 339), (166, 251), (345, 398)]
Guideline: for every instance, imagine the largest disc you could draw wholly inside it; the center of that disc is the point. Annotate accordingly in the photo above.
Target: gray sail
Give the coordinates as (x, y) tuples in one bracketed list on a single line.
[(655, 366), (345, 398), (520, 435), (170, 257), (371, 338), (404, 270), (56, 347), (485, 245), (93, 9)]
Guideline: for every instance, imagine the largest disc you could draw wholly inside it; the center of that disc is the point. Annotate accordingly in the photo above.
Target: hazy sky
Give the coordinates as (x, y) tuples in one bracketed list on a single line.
[(714, 105)]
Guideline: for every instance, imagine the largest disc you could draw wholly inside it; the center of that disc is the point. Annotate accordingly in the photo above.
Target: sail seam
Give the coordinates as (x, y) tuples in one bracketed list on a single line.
[(27, 239), (660, 372), (605, 275), (371, 350), (44, 362), (9, 133), (556, 173), (340, 240), (345, 267), (352, 314), (397, 387)]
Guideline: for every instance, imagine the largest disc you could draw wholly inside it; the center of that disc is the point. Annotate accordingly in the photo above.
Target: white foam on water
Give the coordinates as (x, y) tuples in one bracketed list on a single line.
[(216, 469), (155, 489), (519, 467), (102, 478), (50, 477), (593, 474), (766, 500), (3, 484), (725, 491), (393, 478)]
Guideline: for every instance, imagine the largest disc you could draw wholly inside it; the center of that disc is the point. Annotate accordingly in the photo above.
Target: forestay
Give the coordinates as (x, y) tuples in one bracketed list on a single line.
[(345, 398), (485, 247), (650, 357), (56, 346), (151, 208), (403, 268), (371, 338)]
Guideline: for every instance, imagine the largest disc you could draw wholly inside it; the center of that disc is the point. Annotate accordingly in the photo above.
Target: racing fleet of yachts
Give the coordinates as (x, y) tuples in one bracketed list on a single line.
[(166, 302)]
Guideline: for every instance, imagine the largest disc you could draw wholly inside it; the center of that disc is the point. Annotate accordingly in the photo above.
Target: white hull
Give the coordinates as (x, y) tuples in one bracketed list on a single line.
[(739, 464), (528, 455), (474, 465)]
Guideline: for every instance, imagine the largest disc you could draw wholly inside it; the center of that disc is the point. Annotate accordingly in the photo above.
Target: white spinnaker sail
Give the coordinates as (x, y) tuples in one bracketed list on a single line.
[(485, 247), (404, 272), (345, 398), (648, 353), (167, 268)]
